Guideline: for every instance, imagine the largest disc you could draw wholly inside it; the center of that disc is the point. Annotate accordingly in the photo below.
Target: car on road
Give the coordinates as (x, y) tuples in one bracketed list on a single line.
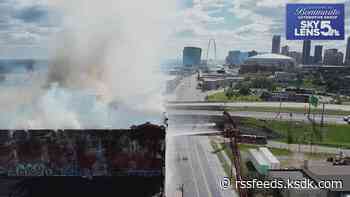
[(346, 118)]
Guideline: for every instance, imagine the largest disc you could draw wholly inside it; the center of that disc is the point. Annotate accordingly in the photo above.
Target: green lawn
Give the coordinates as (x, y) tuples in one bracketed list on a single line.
[(219, 153), (333, 135), (220, 96), (275, 151)]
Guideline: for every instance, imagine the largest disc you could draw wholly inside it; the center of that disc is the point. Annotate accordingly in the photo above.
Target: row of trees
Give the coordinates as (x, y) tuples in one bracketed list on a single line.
[(244, 87)]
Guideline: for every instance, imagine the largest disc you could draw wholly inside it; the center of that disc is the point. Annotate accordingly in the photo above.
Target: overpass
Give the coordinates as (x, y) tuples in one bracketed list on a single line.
[(215, 116), (220, 105)]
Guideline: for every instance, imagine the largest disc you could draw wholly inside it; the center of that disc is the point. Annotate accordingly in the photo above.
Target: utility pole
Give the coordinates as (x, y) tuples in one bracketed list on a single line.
[(290, 137), (322, 117), (182, 190)]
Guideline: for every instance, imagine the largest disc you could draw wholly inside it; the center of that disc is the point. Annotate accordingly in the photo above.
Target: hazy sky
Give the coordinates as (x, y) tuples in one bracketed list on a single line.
[(27, 25)]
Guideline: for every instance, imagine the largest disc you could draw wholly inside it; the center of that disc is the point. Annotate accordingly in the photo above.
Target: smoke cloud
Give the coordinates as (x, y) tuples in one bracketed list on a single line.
[(103, 69)]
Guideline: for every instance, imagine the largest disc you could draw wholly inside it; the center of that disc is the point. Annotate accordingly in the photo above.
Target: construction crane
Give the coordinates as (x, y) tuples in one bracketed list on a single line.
[(234, 134)]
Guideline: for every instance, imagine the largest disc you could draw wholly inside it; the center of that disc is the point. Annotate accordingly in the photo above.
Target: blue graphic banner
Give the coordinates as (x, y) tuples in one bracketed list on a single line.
[(315, 22)]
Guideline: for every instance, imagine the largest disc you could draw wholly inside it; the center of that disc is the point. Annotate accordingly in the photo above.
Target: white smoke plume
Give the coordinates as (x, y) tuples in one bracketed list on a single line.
[(108, 48)]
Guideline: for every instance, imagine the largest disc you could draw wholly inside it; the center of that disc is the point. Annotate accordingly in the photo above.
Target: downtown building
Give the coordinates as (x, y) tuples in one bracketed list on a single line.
[(276, 44), (318, 54), (306, 58), (237, 57), (296, 55), (191, 56), (285, 50), (347, 56), (333, 57)]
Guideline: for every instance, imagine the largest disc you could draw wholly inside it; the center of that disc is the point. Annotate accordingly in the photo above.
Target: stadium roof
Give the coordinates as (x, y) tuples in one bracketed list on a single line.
[(270, 56)]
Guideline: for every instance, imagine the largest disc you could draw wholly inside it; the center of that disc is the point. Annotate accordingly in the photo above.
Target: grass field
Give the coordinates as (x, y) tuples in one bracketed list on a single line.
[(219, 153), (221, 97), (333, 135)]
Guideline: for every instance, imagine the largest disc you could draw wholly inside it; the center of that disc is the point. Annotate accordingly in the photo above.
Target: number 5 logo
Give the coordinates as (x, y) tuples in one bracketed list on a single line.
[(326, 25)]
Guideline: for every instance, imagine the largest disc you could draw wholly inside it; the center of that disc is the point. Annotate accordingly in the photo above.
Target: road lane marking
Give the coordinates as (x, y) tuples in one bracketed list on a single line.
[(192, 171), (201, 167)]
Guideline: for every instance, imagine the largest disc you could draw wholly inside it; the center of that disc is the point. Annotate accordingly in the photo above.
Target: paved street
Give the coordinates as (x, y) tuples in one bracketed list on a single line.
[(190, 162), (261, 115), (260, 104), (187, 90)]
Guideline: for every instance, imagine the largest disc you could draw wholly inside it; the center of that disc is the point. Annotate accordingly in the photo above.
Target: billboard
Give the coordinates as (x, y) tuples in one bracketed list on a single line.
[(315, 21)]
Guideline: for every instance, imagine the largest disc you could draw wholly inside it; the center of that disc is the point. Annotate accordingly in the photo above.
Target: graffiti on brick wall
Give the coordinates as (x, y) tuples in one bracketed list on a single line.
[(138, 151)]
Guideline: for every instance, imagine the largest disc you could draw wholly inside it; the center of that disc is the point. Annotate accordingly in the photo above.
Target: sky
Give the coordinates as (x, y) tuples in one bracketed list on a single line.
[(26, 26)]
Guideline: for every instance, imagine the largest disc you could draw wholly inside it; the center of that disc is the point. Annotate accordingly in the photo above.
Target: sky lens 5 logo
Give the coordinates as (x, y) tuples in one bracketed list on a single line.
[(315, 22)]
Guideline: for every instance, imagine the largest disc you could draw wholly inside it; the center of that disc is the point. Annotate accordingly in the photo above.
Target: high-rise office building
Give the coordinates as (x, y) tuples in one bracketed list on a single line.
[(276, 44), (333, 57), (296, 55), (306, 52), (192, 56), (318, 54), (285, 50), (347, 56)]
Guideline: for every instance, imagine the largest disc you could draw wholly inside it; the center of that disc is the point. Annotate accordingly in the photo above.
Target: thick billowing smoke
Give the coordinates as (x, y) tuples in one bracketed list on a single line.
[(103, 69)]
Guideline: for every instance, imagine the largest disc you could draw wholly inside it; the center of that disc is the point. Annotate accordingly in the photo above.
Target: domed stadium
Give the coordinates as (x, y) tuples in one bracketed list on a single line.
[(268, 62), (271, 59)]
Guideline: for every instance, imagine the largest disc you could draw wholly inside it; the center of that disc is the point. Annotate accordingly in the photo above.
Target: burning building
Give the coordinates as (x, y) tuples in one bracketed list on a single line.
[(112, 160)]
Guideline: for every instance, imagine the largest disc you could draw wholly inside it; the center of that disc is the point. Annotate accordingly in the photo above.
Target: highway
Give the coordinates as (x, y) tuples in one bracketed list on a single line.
[(187, 91), (191, 163), (260, 115), (254, 104)]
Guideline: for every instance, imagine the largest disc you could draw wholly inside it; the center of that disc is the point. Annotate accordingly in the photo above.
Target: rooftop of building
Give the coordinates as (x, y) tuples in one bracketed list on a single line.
[(270, 56), (323, 66), (319, 172)]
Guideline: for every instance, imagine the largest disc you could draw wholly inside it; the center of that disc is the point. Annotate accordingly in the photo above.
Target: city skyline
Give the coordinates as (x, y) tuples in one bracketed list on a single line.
[(311, 53), (28, 25)]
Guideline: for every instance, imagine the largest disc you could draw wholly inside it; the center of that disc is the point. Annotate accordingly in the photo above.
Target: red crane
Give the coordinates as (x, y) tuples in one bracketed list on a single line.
[(234, 134)]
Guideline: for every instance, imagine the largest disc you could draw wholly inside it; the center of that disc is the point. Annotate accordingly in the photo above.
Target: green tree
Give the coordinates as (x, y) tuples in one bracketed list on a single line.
[(300, 80), (230, 93), (263, 83), (244, 90)]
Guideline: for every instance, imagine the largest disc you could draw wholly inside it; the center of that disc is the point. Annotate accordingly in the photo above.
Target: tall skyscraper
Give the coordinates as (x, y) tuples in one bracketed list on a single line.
[(285, 50), (318, 54), (306, 52), (276, 44), (191, 56), (347, 56), (333, 57)]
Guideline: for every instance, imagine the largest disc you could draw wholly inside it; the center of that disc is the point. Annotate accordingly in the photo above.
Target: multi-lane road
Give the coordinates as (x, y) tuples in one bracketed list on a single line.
[(200, 103), (260, 115), (192, 165)]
